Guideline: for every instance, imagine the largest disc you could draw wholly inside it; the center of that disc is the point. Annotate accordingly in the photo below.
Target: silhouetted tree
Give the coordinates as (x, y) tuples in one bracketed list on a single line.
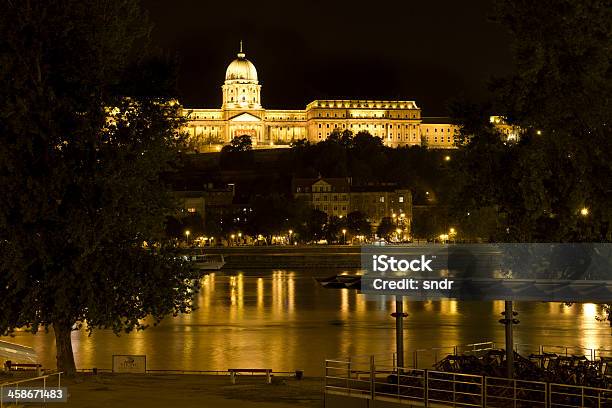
[(386, 228), (358, 224), (87, 125)]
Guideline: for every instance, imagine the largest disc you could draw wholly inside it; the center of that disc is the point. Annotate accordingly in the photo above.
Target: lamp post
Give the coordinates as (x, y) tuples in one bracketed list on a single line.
[(344, 236), (239, 238), (187, 232), (232, 237), (290, 233)]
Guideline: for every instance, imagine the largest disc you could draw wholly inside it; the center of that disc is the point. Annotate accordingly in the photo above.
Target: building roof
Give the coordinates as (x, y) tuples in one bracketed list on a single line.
[(379, 188), (241, 69), (339, 184), (361, 103)]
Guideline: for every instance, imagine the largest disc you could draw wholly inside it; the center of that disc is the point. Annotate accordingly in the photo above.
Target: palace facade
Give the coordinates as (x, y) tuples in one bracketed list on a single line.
[(398, 123)]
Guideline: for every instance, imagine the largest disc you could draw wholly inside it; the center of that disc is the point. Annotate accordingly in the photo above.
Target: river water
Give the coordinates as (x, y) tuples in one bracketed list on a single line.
[(284, 320)]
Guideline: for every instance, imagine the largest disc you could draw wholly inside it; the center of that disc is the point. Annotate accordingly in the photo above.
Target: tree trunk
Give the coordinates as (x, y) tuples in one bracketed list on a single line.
[(63, 346)]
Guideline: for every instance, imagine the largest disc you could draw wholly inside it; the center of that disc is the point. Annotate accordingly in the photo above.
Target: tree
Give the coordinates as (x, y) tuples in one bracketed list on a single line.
[(240, 144), (386, 228), (312, 228), (88, 124), (430, 223), (238, 154), (194, 223), (559, 95), (270, 215), (358, 224), (332, 229)]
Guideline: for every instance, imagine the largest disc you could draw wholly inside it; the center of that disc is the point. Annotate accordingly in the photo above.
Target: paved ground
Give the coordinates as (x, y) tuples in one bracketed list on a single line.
[(187, 391)]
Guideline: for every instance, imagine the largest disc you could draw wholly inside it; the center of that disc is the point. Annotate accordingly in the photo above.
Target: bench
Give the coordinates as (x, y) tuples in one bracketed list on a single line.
[(235, 371), (10, 366), (22, 366)]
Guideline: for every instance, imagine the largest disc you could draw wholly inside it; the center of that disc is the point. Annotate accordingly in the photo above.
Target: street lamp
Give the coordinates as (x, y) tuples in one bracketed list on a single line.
[(344, 235), (290, 233), (447, 158), (187, 232), (584, 211)]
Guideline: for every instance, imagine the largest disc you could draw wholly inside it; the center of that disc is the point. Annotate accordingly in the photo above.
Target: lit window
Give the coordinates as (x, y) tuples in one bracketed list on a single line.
[(191, 210), (401, 199), (382, 199)]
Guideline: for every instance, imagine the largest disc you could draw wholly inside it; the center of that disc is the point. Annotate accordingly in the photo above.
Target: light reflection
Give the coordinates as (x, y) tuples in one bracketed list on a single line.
[(260, 296), (291, 293), (587, 327), (344, 303), (281, 319)]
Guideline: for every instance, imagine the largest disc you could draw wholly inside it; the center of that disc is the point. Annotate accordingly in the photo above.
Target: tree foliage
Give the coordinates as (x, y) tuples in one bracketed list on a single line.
[(87, 126), (560, 96), (386, 228)]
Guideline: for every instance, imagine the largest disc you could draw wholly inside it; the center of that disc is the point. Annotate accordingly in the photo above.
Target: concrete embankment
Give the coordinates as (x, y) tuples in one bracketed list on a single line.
[(290, 257)]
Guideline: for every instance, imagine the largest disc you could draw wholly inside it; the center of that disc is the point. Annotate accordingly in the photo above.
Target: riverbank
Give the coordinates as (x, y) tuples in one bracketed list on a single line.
[(191, 391), (290, 257)]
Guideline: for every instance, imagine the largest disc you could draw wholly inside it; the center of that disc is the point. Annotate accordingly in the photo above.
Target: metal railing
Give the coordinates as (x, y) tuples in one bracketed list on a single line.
[(427, 358), (363, 377), (34, 381)]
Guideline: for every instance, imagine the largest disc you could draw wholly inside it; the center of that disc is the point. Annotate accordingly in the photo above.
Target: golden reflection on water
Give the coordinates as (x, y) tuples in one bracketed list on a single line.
[(587, 325), (260, 297), (284, 320)]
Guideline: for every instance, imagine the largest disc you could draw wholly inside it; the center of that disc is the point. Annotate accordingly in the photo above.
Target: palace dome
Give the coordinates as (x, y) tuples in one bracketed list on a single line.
[(241, 69)]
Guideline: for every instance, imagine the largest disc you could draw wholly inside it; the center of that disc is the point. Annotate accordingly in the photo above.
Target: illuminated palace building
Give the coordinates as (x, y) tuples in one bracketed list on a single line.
[(398, 123)]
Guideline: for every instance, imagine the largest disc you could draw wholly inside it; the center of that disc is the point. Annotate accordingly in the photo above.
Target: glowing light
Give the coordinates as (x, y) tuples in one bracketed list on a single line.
[(584, 211), (447, 158)]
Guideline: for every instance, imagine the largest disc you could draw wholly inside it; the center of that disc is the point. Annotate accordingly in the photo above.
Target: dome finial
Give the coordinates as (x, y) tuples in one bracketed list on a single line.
[(241, 54)]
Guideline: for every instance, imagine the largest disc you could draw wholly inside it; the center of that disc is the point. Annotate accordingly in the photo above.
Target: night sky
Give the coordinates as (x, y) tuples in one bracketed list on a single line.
[(427, 51)]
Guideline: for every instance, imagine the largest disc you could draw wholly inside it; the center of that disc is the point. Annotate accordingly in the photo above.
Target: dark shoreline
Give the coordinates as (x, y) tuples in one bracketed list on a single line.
[(291, 257)]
